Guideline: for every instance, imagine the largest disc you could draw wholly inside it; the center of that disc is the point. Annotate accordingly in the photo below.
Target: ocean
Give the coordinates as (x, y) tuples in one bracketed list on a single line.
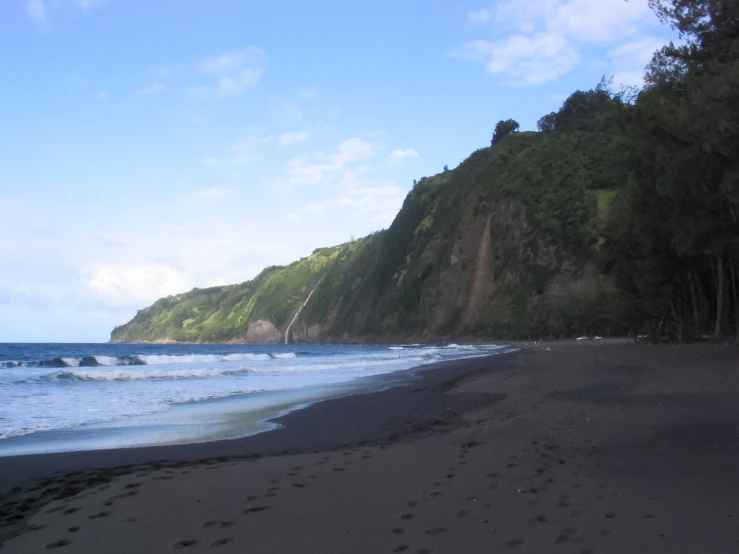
[(64, 397)]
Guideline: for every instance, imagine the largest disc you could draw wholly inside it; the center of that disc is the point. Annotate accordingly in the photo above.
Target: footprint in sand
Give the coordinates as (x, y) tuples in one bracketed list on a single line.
[(401, 548), (186, 543), (435, 531), (99, 515), (515, 543), (398, 531), (58, 544), (221, 542), (407, 517), (254, 509)]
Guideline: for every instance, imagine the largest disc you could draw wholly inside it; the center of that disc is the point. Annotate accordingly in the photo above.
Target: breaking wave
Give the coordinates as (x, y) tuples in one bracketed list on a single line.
[(147, 359)]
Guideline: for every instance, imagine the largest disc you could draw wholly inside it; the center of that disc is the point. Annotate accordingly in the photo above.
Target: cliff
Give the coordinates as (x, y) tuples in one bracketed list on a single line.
[(502, 246)]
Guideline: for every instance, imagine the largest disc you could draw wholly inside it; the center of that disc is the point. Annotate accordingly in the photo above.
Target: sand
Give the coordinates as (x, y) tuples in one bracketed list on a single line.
[(566, 447)]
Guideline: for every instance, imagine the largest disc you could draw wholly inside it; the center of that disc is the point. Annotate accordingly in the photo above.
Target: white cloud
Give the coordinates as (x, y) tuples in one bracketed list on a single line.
[(235, 73), (479, 17), (397, 156), (211, 194), (538, 41), (118, 285), (287, 139), (327, 168), (37, 10), (354, 150), (629, 60), (151, 89)]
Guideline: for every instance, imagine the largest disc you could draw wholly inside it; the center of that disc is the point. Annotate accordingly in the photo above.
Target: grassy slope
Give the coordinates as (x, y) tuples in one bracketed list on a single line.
[(399, 282)]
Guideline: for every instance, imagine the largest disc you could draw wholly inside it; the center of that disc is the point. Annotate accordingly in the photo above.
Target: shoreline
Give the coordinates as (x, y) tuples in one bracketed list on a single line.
[(591, 447), (294, 432)]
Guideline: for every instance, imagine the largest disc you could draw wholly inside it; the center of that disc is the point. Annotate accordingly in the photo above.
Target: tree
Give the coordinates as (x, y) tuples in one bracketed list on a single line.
[(673, 236), (547, 123), (446, 168), (503, 129)]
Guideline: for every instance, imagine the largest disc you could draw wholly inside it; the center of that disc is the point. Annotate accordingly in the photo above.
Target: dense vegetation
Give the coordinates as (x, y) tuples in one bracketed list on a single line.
[(618, 216)]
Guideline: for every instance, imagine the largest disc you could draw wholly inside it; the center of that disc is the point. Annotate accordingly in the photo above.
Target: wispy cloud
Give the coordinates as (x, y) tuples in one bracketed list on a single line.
[(88, 4), (207, 195), (37, 10), (629, 59), (248, 148), (287, 139), (397, 156), (151, 89), (539, 41), (301, 171), (235, 72)]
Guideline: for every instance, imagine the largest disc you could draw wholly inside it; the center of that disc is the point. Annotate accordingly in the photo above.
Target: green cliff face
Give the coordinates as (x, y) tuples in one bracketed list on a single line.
[(513, 243), (501, 246)]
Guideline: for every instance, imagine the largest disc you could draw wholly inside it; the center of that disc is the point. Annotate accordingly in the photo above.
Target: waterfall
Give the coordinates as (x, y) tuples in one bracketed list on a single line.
[(287, 331)]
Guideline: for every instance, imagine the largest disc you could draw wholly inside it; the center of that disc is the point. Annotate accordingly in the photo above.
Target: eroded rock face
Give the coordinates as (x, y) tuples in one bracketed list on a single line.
[(301, 332), (263, 332)]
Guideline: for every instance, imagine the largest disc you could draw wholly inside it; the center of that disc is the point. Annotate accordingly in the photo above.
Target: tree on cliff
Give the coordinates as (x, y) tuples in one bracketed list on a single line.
[(547, 123), (503, 129)]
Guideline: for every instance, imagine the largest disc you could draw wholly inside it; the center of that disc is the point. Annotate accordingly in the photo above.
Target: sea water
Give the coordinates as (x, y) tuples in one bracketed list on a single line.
[(56, 397)]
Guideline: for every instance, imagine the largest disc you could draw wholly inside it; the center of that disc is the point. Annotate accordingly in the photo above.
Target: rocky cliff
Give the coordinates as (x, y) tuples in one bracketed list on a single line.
[(503, 246)]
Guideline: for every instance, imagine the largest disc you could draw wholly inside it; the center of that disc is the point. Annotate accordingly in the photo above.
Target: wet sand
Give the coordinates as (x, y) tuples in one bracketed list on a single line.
[(565, 447)]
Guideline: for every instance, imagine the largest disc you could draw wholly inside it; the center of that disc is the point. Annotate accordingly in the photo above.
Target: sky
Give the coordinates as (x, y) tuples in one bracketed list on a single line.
[(153, 146)]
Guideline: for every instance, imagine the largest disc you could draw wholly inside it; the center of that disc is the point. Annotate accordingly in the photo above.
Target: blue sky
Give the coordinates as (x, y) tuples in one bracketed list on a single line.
[(152, 146)]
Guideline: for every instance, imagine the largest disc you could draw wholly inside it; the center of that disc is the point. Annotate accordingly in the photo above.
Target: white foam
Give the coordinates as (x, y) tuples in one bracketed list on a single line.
[(93, 374), (71, 362), (155, 359), (102, 360), (285, 356), (242, 357)]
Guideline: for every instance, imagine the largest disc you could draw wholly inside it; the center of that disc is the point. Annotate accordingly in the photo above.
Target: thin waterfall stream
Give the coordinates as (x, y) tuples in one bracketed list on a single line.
[(287, 331)]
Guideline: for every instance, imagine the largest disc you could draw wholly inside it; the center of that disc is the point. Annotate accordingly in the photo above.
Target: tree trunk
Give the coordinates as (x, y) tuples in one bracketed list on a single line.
[(719, 297), (734, 287), (696, 307)]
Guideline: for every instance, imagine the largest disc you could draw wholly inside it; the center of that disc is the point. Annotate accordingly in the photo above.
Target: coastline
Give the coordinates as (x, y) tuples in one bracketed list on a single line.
[(579, 447)]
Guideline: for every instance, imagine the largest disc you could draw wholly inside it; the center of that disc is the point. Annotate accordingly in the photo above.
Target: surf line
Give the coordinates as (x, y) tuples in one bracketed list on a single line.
[(287, 331)]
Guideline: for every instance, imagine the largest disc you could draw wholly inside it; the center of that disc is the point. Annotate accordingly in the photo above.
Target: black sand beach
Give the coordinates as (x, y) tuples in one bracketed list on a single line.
[(564, 447)]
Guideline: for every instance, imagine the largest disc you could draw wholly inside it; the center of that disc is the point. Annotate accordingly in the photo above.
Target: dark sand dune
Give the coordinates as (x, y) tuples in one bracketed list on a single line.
[(583, 448)]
